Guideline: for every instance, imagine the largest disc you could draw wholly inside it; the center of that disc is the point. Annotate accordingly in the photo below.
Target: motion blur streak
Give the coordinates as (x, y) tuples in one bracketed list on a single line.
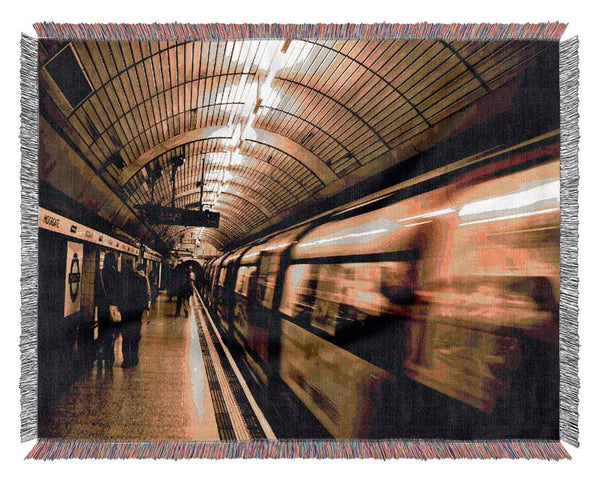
[(369, 322)]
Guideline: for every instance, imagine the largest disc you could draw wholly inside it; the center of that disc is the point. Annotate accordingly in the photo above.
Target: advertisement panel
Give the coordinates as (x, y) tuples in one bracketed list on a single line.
[(73, 281)]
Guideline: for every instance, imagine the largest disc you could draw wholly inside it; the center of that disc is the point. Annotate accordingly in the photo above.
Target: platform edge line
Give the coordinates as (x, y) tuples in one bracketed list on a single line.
[(237, 419), (208, 365), (255, 407)]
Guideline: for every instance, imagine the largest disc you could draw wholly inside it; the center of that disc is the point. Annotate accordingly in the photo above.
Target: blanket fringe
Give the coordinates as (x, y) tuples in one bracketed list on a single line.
[(223, 31), (29, 239), (569, 184), (47, 449), (382, 449)]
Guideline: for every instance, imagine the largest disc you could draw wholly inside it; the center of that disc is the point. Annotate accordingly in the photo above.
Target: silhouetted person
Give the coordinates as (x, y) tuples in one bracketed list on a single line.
[(108, 293), (153, 278), (185, 289), (172, 281), (136, 298)]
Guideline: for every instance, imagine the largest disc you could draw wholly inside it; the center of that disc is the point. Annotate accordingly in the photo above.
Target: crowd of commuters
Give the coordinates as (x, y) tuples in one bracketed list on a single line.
[(123, 297)]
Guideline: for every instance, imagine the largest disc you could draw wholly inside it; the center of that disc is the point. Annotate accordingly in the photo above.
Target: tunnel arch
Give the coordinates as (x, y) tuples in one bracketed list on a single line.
[(332, 123), (293, 149)]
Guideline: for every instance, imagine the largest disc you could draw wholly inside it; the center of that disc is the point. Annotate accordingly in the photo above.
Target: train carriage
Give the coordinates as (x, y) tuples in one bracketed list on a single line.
[(249, 328), (215, 286), (359, 313), (224, 300), (504, 265), (344, 311), (207, 278)]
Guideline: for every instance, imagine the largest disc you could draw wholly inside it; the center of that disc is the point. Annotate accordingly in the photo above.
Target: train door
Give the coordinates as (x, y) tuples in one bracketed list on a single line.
[(269, 282), (219, 293), (227, 276), (215, 285), (226, 302)]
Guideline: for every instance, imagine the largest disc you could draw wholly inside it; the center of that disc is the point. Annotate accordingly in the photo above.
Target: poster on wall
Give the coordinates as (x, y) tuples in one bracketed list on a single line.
[(73, 278), (101, 255)]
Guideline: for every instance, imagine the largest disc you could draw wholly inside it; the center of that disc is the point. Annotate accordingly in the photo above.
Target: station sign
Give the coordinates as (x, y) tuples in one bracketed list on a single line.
[(152, 255), (73, 278), (48, 220), (181, 251)]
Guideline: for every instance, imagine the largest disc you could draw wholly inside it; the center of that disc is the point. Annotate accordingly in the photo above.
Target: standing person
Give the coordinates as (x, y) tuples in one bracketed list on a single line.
[(136, 299), (185, 290), (172, 282), (153, 278), (108, 296)]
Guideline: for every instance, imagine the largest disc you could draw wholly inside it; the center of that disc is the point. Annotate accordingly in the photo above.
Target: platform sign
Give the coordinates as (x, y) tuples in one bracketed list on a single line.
[(73, 278), (175, 216), (53, 222), (181, 252)]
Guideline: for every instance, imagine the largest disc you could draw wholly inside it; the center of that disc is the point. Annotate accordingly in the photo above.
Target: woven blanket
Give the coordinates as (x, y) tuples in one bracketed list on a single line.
[(317, 241)]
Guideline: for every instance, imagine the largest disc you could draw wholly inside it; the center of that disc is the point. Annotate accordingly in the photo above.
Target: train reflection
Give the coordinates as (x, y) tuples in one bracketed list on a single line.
[(441, 307)]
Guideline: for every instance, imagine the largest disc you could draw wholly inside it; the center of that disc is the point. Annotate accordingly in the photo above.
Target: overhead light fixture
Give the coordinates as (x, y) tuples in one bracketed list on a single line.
[(236, 135), (237, 158), (154, 173), (117, 160), (178, 161)]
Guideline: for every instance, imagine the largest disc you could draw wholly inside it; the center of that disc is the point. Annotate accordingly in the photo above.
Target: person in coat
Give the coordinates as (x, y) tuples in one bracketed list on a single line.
[(187, 277), (136, 299), (108, 293)]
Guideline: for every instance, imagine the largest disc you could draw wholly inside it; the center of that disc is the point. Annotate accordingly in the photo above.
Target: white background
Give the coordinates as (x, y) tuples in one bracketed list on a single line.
[(18, 16)]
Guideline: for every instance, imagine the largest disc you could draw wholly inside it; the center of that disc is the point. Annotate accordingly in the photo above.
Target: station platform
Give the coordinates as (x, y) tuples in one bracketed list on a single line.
[(185, 387)]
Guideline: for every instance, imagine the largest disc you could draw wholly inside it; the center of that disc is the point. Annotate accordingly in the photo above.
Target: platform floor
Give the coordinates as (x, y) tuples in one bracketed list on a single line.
[(186, 387)]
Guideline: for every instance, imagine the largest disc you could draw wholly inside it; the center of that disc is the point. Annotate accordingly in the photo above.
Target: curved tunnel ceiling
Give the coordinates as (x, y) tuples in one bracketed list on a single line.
[(275, 121)]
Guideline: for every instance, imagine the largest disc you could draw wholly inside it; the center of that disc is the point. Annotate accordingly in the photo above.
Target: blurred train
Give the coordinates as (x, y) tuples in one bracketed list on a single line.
[(436, 309)]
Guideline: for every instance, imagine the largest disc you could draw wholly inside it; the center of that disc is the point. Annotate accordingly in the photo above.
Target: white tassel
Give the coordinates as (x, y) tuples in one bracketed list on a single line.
[(569, 182), (29, 237)]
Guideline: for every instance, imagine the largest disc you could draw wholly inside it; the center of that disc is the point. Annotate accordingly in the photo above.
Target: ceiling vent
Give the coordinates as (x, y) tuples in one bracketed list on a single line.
[(117, 160), (69, 77)]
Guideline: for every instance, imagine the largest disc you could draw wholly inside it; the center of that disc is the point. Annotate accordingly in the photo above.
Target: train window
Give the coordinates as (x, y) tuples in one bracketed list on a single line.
[(267, 280), (239, 282), (347, 294), (214, 277), (299, 289), (483, 321), (231, 273), (332, 297), (222, 273), (243, 279)]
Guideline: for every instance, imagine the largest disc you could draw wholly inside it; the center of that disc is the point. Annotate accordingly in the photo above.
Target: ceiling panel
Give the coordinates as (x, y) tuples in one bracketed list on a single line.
[(339, 103)]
